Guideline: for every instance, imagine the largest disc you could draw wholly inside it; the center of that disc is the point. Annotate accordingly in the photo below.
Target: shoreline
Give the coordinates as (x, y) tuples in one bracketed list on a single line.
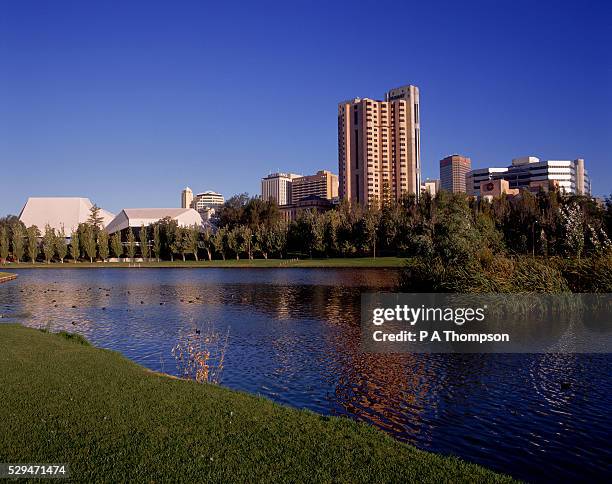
[(335, 263), (94, 399), (7, 276)]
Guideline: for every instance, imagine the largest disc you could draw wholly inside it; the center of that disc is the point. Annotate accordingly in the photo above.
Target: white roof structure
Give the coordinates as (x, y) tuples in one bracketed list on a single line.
[(135, 217), (59, 212)]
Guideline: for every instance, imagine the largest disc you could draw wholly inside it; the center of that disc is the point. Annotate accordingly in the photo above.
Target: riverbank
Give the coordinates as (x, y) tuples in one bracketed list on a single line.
[(112, 420), (362, 262), (7, 276)]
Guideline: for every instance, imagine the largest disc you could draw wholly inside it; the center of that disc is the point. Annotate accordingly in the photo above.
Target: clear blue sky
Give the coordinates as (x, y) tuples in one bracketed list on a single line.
[(127, 102)]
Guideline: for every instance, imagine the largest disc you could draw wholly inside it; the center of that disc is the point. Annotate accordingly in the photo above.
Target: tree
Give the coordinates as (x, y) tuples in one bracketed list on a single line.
[(219, 241), (131, 244), (48, 243), (18, 242), (307, 232), (75, 251), (183, 241), (116, 245), (174, 236), (232, 241), (573, 229), (103, 244), (157, 243), (4, 243), (61, 249), (95, 219), (261, 238), (89, 242), (32, 234), (144, 242), (208, 241), (371, 223), (246, 240), (192, 240)]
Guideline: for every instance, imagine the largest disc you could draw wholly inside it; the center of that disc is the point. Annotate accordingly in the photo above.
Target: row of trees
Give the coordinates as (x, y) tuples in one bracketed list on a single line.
[(450, 225), (546, 224)]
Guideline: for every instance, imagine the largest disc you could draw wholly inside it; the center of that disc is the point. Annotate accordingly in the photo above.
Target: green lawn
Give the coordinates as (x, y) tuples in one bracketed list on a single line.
[(274, 263), (112, 420), (6, 276)]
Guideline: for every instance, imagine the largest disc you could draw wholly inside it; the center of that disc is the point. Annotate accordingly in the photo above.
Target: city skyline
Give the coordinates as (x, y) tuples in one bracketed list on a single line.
[(84, 111)]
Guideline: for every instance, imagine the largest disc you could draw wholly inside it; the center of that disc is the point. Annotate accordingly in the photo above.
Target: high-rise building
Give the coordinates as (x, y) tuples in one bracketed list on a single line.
[(323, 184), (186, 198), (379, 152), (453, 169), (208, 199), (431, 186), (531, 173), (277, 187)]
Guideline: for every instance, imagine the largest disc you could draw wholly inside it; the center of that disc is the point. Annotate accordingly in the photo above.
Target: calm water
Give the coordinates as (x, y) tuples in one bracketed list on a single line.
[(294, 337)]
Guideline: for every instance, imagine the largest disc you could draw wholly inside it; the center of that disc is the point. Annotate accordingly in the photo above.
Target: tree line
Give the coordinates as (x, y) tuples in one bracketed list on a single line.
[(450, 227)]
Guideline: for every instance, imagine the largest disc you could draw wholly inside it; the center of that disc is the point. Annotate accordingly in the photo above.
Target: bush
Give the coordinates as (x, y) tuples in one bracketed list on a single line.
[(593, 274), (485, 273)]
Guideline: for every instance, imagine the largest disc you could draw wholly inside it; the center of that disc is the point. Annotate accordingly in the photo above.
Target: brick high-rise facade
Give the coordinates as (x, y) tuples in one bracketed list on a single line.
[(453, 170), (379, 147), (323, 184)]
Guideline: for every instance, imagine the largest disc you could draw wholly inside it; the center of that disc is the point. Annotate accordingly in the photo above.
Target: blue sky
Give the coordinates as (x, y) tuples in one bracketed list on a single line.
[(128, 102)]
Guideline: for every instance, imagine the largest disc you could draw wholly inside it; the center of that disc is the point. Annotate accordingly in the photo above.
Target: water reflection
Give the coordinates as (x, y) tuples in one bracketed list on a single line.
[(294, 337)]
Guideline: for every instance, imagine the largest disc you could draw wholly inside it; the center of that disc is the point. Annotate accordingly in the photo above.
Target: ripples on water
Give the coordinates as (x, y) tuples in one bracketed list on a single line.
[(294, 337)]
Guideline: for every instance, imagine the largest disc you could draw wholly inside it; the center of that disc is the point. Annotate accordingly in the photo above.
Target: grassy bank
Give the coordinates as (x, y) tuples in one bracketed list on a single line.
[(112, 420), (6, 276), (364, 262)]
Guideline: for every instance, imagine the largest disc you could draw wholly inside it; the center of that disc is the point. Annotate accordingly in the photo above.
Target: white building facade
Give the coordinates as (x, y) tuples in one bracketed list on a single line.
[(531, 173), (277, 187)]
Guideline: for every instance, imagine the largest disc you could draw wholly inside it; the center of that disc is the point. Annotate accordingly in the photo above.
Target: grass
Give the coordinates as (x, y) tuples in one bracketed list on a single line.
[(112, 420), (361, 262), (6, 276)]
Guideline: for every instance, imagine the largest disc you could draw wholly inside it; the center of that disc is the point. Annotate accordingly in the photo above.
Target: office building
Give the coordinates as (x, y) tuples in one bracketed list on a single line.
[(186, 198), (291, 212), (379, 147), (474, 178), (323, 184), (531, 173), (494, 188), (431, 186), (206, 200), (453, 169), (277, 187)]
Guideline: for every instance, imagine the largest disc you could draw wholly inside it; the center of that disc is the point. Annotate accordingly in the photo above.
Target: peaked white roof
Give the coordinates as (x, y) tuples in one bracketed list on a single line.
[(58, 212), (135, 217)]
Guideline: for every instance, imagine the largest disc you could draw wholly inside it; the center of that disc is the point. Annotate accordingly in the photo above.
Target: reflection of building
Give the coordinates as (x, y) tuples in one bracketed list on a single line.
[(452, 173), (312, 202), (186, 198), (59, 213), (530, 173), (430, 186), (323, 184), (135, 217), (277, 187), (379, 147)]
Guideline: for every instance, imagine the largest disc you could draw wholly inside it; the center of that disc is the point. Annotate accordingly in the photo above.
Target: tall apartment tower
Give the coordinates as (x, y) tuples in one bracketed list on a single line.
[(186, 198), (453, 170), (379, 147)]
